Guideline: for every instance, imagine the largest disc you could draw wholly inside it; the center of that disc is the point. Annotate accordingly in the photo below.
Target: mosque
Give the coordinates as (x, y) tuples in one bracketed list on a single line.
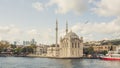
[(71, 45)]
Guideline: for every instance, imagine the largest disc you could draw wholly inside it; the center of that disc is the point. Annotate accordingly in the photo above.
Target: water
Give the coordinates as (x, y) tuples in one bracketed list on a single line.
[(24, 62)]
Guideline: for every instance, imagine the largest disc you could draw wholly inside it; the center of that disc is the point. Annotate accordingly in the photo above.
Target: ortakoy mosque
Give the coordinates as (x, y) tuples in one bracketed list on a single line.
[(71, 45)]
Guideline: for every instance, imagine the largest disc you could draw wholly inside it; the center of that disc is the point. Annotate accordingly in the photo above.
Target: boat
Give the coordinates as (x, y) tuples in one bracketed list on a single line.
[(112, 55)]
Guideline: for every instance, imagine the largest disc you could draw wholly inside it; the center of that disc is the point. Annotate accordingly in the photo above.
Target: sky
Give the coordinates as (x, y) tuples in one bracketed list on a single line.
[(22, 20)]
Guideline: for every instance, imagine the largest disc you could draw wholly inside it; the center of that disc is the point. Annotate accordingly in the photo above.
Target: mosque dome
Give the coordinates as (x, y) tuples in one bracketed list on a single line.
[(71, 35)]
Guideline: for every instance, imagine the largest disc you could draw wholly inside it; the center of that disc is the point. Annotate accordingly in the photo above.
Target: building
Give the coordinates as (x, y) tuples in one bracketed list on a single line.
[(71, 46), (100, 48), (41, 49), (31, 42), (52, 52)]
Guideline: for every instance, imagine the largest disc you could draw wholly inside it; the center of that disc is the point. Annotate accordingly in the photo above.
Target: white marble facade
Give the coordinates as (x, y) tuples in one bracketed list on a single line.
[(71, 46)]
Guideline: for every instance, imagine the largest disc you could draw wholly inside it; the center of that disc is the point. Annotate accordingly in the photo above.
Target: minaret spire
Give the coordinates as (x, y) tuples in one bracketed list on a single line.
[(66, 27), (56, 32)]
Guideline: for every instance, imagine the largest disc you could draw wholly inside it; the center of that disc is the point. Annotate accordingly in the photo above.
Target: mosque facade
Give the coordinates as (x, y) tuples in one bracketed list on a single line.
[(70, 46)]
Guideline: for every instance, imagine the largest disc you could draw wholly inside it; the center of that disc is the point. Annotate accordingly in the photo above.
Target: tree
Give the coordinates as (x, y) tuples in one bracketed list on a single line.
[(88, 50), (18, 50), (3, 46), (28, 49), (104, 52), (13, 46)]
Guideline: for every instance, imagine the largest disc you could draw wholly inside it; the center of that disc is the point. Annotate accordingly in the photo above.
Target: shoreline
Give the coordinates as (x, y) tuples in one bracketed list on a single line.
[(44, 56), (50, 57)]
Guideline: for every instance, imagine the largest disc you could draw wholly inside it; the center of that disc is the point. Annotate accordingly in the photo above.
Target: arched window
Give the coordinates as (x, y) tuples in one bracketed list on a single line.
[(66, 44), (72, 45), (78, 45), (75, 45)]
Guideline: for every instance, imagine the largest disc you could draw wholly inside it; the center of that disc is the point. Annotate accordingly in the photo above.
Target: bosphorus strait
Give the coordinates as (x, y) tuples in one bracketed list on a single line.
[(24, 62)]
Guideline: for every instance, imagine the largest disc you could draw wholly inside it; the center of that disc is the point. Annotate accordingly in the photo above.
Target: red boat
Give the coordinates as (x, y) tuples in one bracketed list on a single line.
[(110, 58), (112, 55)]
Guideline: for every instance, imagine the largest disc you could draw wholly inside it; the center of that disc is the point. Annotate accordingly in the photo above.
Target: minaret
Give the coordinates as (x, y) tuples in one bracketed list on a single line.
[(56, 32), (66, 27)]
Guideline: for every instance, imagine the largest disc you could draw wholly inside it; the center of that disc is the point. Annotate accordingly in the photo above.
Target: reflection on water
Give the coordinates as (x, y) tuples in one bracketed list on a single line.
[(21, 62), (88, 63), (66, 63), (69, 63)]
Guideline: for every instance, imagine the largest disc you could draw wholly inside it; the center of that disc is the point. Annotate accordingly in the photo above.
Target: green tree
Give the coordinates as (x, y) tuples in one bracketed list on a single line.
[(88, 50), (18, 50), (28, 49), (104, 52), (13, 46), (4, 45)]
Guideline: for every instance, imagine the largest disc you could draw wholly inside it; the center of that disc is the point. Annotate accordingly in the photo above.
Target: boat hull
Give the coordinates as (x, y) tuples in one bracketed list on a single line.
[(110, 58)]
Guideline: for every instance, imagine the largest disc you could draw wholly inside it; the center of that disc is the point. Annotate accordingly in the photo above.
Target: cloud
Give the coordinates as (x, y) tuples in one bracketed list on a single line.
[(38, 6), (65, 6), (103, 27), (10, 29), (99, 29), (10, 33), (91, 1), (101, 7), (107, 8), (4, 29), (32, 32), (45, 36)]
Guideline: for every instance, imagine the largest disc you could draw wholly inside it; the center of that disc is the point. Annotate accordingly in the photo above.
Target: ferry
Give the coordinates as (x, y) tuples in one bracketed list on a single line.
[(112, 55)]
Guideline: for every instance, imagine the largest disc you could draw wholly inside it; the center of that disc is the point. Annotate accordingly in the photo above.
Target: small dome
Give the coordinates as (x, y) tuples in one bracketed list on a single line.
[(71, 35)]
